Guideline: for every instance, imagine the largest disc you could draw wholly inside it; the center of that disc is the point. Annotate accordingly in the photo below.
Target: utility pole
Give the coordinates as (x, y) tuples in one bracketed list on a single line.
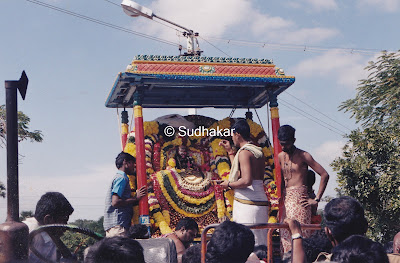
[(13, 234)]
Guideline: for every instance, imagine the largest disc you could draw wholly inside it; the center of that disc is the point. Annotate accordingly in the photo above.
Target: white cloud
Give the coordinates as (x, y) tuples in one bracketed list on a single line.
[(329, 150), (315, 5), (322, 5), (216, 18), (86, 191), (324, 155), (310, 35), (386, 5), (344, 67), (209, 18)]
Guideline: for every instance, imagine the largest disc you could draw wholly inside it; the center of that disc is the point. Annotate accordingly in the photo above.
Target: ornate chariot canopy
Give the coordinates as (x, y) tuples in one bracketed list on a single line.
[(198, 82)]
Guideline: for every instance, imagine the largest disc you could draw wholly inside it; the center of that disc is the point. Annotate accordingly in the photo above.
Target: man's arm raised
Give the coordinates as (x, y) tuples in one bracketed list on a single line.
[(322, 172)]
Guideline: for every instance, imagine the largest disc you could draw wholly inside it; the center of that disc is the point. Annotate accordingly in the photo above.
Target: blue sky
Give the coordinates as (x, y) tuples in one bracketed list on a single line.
[(72, 63)]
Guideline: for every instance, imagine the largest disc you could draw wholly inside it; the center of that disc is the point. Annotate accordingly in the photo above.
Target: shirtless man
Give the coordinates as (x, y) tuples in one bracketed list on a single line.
[(185, 231), (294, 164), (246, 179)]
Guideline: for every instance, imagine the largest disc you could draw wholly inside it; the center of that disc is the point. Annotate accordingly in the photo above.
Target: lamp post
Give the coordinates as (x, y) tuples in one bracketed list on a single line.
[(13, 234), (133, 9)]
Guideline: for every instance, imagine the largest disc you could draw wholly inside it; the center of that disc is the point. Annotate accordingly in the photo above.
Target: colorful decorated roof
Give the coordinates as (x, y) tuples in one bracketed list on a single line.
[(198, 82)]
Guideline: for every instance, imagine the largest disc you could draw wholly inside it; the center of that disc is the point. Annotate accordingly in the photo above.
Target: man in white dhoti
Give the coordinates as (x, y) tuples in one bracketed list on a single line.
[(246, 178)]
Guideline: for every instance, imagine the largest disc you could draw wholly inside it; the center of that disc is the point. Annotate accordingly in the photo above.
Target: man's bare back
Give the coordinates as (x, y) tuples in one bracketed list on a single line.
[(257, 166)]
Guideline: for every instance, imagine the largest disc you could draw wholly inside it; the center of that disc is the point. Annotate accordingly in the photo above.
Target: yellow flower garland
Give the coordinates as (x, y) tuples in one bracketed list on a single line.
[(175, 207), (186, 198)]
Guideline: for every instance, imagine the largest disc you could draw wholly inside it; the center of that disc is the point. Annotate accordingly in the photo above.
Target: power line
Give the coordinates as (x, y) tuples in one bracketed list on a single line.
[(296, 47), (103, 23), (286, 92), (328, 126), (215, 46)]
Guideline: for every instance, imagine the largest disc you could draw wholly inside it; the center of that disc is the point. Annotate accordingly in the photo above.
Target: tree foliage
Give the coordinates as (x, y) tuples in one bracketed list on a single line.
[(77, 242), (25, 215), (23, 134), (23, 128), (370, 165), (378, 96)]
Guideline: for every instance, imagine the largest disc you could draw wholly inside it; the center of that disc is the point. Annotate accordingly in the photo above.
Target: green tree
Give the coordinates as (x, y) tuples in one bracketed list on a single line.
[(369, 167), (378, 96), (25, 215), (23, 134), (77, 242)]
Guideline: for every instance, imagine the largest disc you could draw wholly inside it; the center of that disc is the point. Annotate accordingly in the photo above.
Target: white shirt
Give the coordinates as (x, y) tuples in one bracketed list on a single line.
[(42, 242)]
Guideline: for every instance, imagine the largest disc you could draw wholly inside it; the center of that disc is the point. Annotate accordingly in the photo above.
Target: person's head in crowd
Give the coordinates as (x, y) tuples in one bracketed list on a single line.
[(396, 243), (115, 249), (186, 230), (192, 254), (242, 128), (230, 243), (344, 216), (357, 249), (261, 251), (53, 208), (287, 138), (318, 242), (388, 246), (310, 179), (126, 163), (138, 231)]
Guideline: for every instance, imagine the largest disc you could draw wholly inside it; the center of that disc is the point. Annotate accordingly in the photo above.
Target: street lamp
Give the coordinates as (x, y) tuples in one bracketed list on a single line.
[(133, 9)]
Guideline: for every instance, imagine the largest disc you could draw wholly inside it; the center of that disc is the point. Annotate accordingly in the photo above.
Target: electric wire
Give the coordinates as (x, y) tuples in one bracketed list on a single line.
[(111, 2), (100, 22), (313, 120), (221, 39), (286, 92), (215, 46), (309, 114), (296, 47), (277, 46)]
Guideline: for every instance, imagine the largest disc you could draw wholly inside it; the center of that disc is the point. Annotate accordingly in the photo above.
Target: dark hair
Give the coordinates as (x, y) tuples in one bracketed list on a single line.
[(54, 204), (318, 242), (231, 242), (123, 156), (242, 127), (188, 223), (261, 251), (344, 216), (388, 246), (138, 231), (286, 133), (192, 254), (116, 249), (310, 178), (357, 249)]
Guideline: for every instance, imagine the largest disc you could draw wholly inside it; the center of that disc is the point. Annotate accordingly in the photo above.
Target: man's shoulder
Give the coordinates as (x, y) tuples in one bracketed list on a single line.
[(394, 258), (32, 223)]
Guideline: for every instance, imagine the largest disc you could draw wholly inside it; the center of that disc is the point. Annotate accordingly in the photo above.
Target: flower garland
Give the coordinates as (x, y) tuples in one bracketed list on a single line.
[(177, 203), (187, 198), (199, 194)]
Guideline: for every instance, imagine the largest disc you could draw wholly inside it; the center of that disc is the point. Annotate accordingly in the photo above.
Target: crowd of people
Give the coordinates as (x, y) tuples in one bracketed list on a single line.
[(342, 238)]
